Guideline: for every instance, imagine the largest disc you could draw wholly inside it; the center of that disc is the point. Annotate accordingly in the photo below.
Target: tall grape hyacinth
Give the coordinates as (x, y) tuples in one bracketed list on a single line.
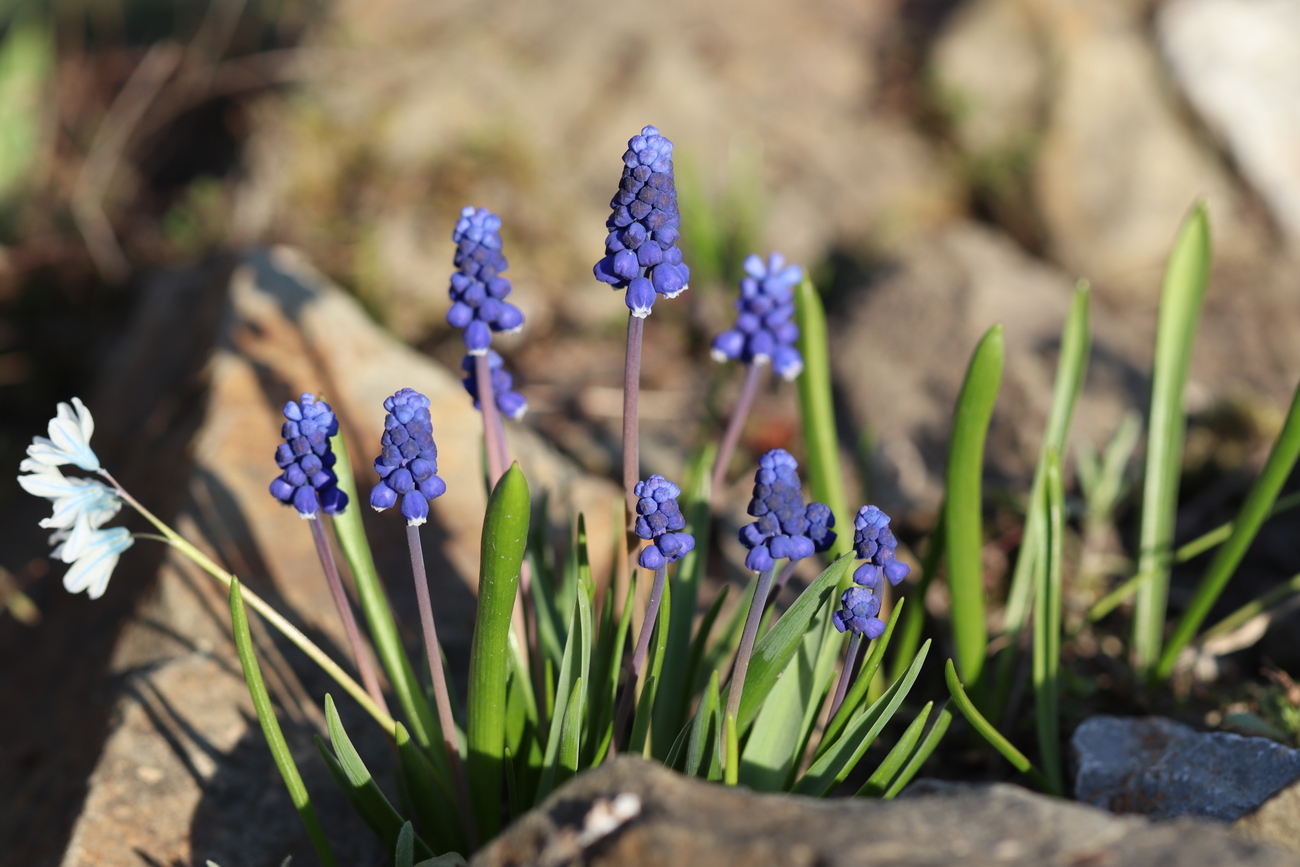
[(408, 464), (660, 520), (785, 528), (308, 482), (478, 291), (509, 402), (764, 330), (641, 253)]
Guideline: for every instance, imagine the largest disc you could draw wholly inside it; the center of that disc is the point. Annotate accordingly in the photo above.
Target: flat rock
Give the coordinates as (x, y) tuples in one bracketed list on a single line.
[(1163, 769), (662, 818)]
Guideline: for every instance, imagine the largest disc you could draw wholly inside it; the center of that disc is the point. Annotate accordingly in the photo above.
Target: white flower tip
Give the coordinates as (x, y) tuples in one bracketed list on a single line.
[(719, 356), (640, 312), (678, 292), (791, 373), (415, 522)]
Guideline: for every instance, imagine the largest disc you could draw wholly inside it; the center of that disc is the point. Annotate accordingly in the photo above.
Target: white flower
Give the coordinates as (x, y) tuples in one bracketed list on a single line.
[(68, 443), (93, 554), (72, 498)]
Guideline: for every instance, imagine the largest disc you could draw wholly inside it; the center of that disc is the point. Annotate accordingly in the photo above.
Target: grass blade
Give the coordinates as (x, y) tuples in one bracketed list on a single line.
[(702, 748), (695, 671), (1181, 299), (505, 533), (434, 807), (575, 666), (1047, 628), (923, 752), (1277, 469), (271, 729), (878, 782), (857, 693), (773, 745), (992, 735), (964, 528), (650, 691), (609, 663), (571, 733), (909, 633)]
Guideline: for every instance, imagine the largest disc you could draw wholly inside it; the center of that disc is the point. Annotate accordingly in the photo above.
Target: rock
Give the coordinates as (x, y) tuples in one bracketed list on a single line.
[(1163, 769), (636, 814), (183, 774), (1235, 62), (1276, 821)]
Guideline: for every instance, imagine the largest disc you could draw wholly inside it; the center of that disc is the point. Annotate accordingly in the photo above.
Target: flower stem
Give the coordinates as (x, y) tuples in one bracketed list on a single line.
[(638, 658), (359, 654), (493, 432), (440, 695), (631, 401), (747, 643), (846, 673), (735, 426), (287, 629)]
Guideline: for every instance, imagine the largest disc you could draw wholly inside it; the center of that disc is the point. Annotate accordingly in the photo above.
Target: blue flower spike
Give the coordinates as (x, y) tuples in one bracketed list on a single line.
[(659, 519), (765, 330), (641, 253), (859, 613), (874, 542), (785, 528), (478, 291), (509, 402), (408, 464), (307, 481)]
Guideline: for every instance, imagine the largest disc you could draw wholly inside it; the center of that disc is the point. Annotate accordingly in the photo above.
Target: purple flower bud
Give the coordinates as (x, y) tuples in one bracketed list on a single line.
[(306, 483), (510, 403), (408, 462), (858, 613), (874, 542), (659, 520), (764, 314), (477, 291), (786, 529)]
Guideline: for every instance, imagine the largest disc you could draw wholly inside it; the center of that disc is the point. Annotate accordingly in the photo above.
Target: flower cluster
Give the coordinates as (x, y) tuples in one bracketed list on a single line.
[(786, 528), (408, 464), (81, 506), (510, 403), (874, 542), (764, 329), (641, 253), (308, 482), (660, 520), (859, 613), (478, 290)]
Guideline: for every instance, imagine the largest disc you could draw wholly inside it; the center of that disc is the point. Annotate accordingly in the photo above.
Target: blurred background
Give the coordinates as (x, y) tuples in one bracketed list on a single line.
[(935, 165)]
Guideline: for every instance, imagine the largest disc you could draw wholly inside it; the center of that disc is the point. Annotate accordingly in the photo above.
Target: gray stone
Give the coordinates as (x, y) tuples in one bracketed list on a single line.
[(1235, 62), (656, 817), (1163, 769), (1276, 821)]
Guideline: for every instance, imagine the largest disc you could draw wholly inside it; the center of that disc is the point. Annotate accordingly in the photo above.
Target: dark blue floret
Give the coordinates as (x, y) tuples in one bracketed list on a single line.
[(764, 330), (641, 253), (786, 529), (478, 291), (874, 542), (510, 403), (859, 613), (659, 519), (307, 482), (408, 463)]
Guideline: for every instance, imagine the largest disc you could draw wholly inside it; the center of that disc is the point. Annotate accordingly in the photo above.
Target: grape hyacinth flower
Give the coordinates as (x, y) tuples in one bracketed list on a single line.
[(408, 463), (786, 529), (478, 291), (860, 607), (509, 402), (660, 520), (308, 482), (874, 542), (641, 253)]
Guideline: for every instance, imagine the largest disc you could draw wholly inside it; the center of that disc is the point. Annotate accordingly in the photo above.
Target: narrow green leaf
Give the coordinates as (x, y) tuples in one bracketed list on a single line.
[(1047, 628), (731, 767), (358, 785), (351, 534), (772, 652), (817, 411), (405, 855), (542, 589), (505, 533), (650, 691), (433, 805), (573, 667), (836, 763), (695, 674), (990, 734), (1221, 533), (963, 505), (1277, 469), (878, 782), (1181, 298), (609, 655), (271, 729), (857, 693), (773, 745), (703, 741), (571, 733), (923, 752), (514, 799), (909, 634)]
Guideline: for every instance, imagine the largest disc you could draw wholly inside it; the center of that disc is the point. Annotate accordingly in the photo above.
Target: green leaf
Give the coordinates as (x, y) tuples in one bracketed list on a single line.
[(990, 734), (909, 634), (505, 533), (607, 662), (773, 652), (703, 747), (571, 733), (1047, 628), (932, 739), (836, 763), (27, 59), (379, 618), (1259, 502), (695, 673), (650, 691), (1181, 298), (280, 752), (359, 787), (433, 805), (857, 693), (963, 504), (774, 743), (405, 854), (817, 410), (574, 666), (731, 765), (877, 783)]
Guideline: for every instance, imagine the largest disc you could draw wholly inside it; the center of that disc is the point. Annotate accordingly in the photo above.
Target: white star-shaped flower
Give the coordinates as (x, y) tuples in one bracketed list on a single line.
[(93, 555), (72, 498), (68, 443)]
